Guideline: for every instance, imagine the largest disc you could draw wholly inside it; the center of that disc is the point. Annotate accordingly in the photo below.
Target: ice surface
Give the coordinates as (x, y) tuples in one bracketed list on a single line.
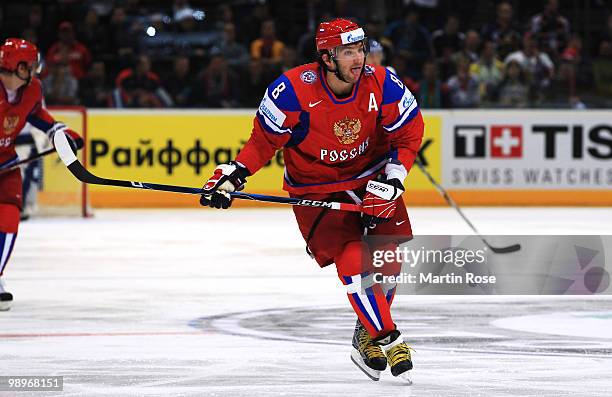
[(204, 303)]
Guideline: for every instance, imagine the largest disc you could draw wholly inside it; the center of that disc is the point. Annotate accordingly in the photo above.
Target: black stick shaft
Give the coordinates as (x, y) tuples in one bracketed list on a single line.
[(25, 161), (76, 168), (452, 203)]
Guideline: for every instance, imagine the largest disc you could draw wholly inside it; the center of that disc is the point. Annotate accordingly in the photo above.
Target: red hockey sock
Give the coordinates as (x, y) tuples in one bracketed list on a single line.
[(389, 269), (371, 307), (390, 294), (9, 222)]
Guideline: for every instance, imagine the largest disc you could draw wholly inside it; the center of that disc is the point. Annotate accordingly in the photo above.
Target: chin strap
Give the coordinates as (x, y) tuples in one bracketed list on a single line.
[(337, 71), (28, 79)]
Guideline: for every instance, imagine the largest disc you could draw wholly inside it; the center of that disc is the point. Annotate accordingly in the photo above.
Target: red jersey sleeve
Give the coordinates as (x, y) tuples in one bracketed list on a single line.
[(401, 117), (276, 124), (38, 116)]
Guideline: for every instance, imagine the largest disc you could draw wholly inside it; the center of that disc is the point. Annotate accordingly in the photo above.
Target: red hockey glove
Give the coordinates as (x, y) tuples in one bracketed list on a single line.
[(379, 201), (74, 140), (227, 178)]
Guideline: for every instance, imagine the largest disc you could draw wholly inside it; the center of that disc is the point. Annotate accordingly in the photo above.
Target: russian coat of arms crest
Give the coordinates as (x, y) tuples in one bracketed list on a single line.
[(347, 130), (10, 123)]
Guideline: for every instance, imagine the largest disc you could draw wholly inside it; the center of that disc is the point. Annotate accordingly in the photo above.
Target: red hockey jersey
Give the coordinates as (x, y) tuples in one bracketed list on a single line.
[(26, 107), (333, 144)]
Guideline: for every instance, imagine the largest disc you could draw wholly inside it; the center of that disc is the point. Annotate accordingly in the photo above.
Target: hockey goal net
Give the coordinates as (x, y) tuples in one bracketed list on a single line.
[(61, 194)]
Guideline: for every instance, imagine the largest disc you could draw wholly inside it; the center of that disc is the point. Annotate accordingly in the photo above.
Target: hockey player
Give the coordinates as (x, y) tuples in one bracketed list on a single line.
[(349, 132), (376, 56), (20, 102)]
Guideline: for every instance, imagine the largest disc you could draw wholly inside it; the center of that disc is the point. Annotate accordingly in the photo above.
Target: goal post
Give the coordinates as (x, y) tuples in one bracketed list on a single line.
[(61, 194)]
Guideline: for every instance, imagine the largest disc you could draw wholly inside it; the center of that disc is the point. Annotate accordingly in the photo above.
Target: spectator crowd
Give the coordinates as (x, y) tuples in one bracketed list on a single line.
[(137, 54)]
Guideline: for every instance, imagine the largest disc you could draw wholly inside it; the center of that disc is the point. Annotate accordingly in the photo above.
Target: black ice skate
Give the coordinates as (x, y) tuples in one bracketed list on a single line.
[(398, 354), (366, 355), (6, 298)]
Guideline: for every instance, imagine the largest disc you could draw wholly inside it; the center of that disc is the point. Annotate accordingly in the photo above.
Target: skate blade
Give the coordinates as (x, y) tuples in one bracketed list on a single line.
[(406, 378), (5, 306), (358, 361)]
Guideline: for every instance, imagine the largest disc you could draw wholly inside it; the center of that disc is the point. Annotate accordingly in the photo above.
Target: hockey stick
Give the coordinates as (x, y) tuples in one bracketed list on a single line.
[(25, 161), (451, 202), (76, 168)]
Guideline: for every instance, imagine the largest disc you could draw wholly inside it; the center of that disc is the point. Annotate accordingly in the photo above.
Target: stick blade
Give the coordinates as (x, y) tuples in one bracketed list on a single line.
[(63, 148), (505, 250)]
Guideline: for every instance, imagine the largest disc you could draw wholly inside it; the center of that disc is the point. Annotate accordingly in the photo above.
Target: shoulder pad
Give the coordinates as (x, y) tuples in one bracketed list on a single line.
[(277, 104)]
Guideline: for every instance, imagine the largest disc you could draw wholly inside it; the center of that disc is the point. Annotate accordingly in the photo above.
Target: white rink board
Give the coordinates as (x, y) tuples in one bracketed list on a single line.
[(527, 149), (211, 303)]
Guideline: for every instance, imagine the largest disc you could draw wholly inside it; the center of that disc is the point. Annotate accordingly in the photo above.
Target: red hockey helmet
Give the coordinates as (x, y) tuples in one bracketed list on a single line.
[(15, 51), (338, 32)]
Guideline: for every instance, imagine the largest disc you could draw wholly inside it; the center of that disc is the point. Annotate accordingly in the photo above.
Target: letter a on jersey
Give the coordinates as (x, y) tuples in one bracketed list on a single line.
[(372, 105)]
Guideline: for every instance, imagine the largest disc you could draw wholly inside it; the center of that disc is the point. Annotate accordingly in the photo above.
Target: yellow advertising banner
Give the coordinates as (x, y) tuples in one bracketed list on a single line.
[(184, 147)]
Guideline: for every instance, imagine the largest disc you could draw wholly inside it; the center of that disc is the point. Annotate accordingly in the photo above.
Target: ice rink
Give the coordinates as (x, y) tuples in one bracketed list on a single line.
[(209, 303)]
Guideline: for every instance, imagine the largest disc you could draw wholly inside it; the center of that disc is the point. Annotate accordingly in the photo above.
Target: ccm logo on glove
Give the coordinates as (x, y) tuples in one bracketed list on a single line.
[(384, 190)]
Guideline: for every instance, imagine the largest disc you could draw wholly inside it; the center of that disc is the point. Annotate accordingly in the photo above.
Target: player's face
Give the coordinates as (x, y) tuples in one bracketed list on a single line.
[(14, 81), (350, 59)]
